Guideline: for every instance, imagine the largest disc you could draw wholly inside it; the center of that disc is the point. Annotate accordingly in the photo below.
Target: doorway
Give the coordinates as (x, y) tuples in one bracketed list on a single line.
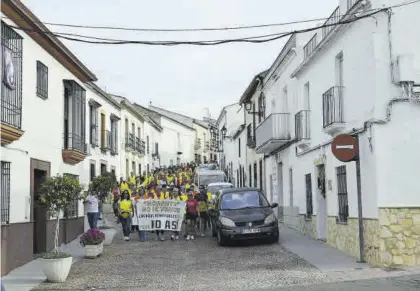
[(39, 171), (322, 203), (280, 199)]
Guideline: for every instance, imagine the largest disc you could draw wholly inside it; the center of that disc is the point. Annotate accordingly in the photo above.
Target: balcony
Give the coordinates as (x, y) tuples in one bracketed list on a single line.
[(139, 146), (332, 110), (11, 121), (129, 142), (310, 47), (331, 22), (114, 143), (206, 146), (197, 144), (302, 128), (272, 133), (250, 137), (105, 141), (75, 149)]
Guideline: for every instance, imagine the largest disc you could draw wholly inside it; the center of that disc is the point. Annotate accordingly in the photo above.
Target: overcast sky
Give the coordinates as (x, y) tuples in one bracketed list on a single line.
[(185, 79)]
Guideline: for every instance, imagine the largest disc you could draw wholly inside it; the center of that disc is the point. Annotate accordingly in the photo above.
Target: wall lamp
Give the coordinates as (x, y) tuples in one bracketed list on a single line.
[(248, 108), (224, 130)]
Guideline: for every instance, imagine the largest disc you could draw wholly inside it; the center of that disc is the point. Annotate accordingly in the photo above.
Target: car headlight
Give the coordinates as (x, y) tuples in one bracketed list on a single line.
[(270, 219), (227, 222)]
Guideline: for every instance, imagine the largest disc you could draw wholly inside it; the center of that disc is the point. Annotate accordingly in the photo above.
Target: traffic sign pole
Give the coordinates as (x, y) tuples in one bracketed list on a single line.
[(359, 206)]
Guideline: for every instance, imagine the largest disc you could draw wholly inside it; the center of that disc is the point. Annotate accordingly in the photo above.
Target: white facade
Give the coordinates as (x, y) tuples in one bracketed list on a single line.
[(102, 133), (176, 138), (357, 78), (42, 123), (201, 152), (152, 135)]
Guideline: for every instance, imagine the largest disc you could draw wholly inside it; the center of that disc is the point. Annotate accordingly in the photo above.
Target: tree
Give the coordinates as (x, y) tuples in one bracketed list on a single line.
[(103, 184), (59, 194)]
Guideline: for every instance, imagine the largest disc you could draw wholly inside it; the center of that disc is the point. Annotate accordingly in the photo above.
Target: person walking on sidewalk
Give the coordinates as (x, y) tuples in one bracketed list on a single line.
[(126, 212), (92, 201)]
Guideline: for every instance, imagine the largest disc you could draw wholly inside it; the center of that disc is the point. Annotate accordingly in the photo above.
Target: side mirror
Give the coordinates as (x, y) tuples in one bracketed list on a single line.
[(274, 205)]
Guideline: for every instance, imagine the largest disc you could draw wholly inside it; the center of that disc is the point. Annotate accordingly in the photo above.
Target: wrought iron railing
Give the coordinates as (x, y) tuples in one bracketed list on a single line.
[(302, 125), (11, 85), (351, 3), (105, 140), (5, 192), (250, 137), (129, 141), (310, 47), (75, 142), (332, 106), (274, 127), (331, 22)]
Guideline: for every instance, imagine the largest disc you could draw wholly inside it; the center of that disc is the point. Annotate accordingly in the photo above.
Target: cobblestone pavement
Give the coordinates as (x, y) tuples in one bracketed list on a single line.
[(403, 283), (188, 265)]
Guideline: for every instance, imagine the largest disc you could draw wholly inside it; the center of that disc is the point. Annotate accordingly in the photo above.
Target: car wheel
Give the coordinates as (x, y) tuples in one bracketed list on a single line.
[(274, 239), (222, 241)]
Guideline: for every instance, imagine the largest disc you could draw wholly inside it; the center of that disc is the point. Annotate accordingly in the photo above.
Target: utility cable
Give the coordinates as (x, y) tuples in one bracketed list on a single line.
[(252, 39), (243, 27)]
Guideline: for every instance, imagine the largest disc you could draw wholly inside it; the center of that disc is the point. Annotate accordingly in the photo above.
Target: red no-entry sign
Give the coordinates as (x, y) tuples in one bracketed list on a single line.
[(345, 148)]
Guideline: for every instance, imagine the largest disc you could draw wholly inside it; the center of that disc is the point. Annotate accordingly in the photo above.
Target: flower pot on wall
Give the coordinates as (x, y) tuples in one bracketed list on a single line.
[(92, 251), (109, 236), (57, 270)]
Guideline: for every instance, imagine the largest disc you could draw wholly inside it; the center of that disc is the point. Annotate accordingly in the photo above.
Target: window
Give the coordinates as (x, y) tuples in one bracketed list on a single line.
[(74, 116), (291, 187), (93, 134), (139, 169), (309, 209), (239, 147), (103, 132), (127, 169), (11, 74), (5, 192), (339, 70), (147, 144), (73, 210), (139, 132), (133, 168), (113, 171), (255, 175), (148, 168), (156, 148), (261, 107), (41, 80), (261, 175), (103, 168), (250, 176), (92, 171), (343, 204), (306, 96), (114, 136)]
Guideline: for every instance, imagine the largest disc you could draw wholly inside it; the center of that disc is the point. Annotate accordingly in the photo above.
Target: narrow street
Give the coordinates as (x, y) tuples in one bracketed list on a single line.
[(188, 265)]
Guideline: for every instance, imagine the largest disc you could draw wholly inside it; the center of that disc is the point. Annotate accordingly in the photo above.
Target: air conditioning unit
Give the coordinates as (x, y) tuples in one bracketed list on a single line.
[(405, 69)]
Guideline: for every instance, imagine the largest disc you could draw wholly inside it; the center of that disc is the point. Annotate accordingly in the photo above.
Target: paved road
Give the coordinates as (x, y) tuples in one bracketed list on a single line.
[(403, 283), (189, 265)]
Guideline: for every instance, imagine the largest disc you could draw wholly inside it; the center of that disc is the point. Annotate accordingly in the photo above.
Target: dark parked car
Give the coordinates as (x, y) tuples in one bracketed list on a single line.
[(242, 214)]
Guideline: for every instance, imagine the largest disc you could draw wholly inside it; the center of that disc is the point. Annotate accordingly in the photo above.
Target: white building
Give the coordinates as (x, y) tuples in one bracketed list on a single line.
[(152, 136), (179, 137), (253, 101), (102, 132), (232, 158), (43, 133), (356, 78), (133, 145)]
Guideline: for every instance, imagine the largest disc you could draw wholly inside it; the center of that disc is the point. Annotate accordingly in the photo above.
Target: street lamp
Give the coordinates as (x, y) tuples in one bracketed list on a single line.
[(223, 131)]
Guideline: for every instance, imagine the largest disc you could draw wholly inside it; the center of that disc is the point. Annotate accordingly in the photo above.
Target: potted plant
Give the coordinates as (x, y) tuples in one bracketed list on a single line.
[(109, 232), (58, 195), (92, 241)]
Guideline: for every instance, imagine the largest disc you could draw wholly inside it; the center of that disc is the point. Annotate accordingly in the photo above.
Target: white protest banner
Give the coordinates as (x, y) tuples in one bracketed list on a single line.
[(160, 214)]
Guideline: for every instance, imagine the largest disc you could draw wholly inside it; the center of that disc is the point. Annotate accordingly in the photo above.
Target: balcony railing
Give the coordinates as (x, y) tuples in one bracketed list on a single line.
[(197, 144), (310, 47), (129, 141), (302, 125), (114, 143), (250, 137), (332, 106), (331, 22), (142, 147), (105, 140), (274, 128), (351, 3), (75, 142)]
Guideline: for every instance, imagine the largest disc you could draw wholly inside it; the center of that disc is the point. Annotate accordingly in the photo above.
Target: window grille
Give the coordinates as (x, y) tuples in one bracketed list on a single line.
[(343, 204), (5, 192), (41, 80), (309, 205)]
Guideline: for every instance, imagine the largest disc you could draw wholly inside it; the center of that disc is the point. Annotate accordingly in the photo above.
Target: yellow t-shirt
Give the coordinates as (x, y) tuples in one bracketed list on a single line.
[(184, 197), (202, 206), (125, 206)]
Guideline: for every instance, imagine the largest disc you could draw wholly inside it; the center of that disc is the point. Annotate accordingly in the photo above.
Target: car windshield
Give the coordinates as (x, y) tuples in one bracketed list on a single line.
[(245, 199), (207, 179), (214, 189)]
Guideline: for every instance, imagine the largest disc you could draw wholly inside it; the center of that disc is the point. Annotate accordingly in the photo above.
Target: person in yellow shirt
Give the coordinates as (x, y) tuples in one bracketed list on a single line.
[(132, 179), (126, 212), (175, 196)]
